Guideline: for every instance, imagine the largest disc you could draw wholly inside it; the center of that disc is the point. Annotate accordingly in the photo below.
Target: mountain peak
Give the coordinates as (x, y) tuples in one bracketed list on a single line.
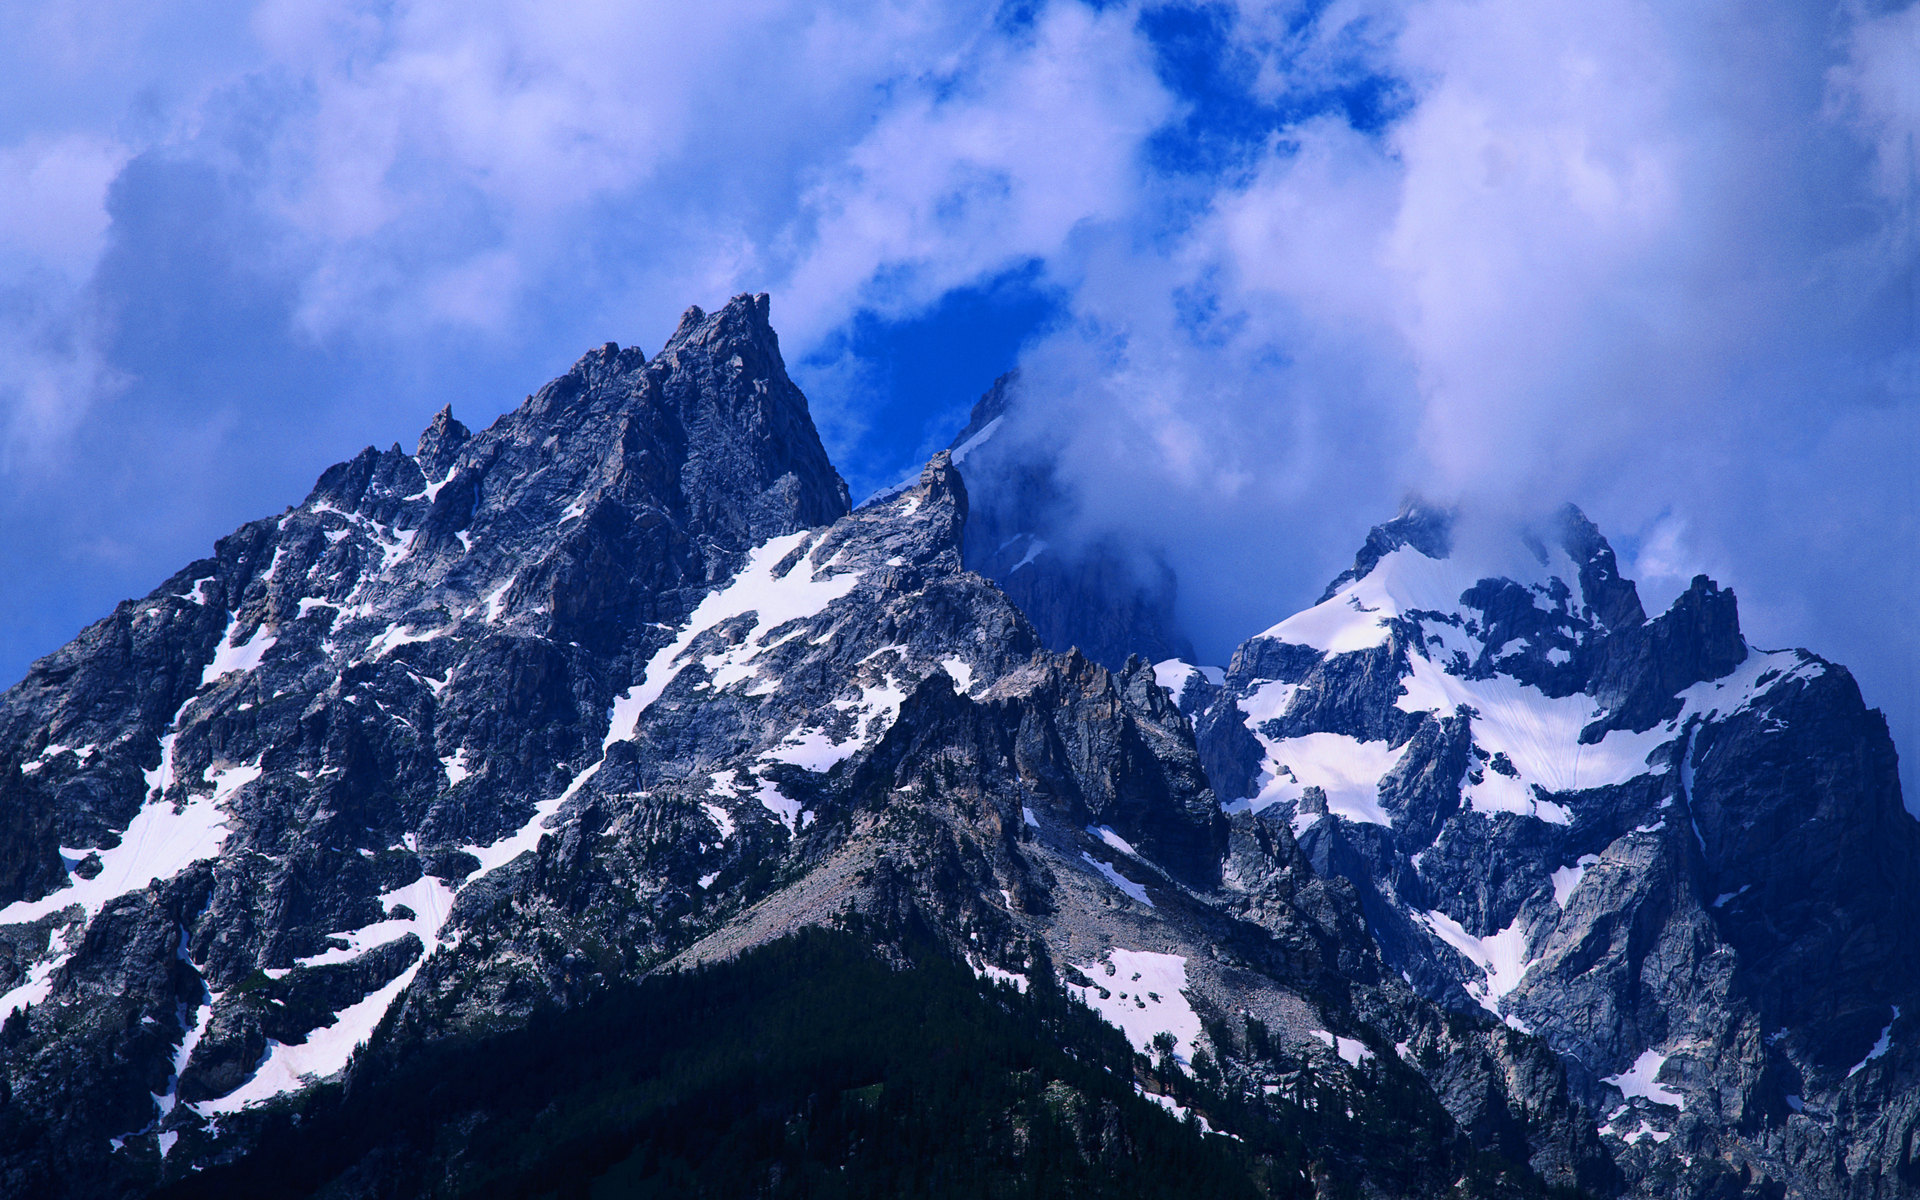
[(1614, 599), (416, 778), (989, 408), (744, 321), (1420, 525), (440, 443), (1479, 550)]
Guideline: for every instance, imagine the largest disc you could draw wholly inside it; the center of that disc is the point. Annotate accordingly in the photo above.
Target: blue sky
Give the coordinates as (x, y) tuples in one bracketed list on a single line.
[(1268, 268)]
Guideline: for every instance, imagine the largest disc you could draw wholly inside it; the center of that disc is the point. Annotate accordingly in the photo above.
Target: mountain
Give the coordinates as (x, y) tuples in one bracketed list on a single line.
[(594, 804), (1101, 596), (1683, 861)]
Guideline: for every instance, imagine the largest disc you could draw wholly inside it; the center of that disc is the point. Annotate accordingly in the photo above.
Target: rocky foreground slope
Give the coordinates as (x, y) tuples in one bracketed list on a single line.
[(1501, 884)]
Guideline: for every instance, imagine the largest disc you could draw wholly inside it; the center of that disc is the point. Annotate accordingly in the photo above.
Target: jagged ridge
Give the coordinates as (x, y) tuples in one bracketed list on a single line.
[(619, 685)]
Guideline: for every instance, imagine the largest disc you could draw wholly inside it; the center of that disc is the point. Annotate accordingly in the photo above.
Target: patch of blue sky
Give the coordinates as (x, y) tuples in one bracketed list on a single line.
[(1231, 115), (889, 392)]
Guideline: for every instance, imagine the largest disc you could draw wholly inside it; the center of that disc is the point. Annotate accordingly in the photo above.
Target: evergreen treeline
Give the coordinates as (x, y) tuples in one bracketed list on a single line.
[(813, 1068)]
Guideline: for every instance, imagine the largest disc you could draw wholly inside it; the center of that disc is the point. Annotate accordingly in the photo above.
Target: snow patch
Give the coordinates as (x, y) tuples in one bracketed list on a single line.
[(183, 1053), (230, 659), (392, 552), (397, 636), (1347, 769), (1639, 1080), (55, 750), (496, 599), (1352, 1051), (721, 818), (875, 711), (455, 765), (326, 1051), (159, 843), (1539, 735), (429, 899), (1180, 1112), (1267, 702), (160, 779), (38, 984), (959, 671), (499, 853), (986, 970), (1880, 1047), (1646, 1130), (773, 601), (1132, 889), (812, 750), (798, 594), (1145, 996), (1501, 957), (1173, 676), (228, 780), (1404, 582), (978, 440), (1565, 879), (776, 802), (785, 810)]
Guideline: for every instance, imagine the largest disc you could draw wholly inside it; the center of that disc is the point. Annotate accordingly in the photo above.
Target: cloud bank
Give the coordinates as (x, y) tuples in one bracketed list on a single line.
[(1657, 261), (1300, 260)]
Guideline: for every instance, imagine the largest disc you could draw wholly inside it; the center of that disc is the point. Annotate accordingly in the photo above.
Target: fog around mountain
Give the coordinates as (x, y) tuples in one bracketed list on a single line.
[(1267, 269)]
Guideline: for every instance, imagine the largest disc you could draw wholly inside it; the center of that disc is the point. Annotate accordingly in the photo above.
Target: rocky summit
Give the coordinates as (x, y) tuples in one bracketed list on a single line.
[(598, 804)]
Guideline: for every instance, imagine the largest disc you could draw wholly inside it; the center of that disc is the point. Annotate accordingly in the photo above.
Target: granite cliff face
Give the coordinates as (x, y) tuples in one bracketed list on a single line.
[(1491, 881)]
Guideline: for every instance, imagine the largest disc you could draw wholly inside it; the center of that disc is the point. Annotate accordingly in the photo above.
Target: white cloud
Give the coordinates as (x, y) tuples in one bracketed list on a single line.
[(1649, 257), (1653, 259), (420, 169), (48, 361), (53, 203), (1879, 84), (1598, 233), (492, 140), (970, 174)]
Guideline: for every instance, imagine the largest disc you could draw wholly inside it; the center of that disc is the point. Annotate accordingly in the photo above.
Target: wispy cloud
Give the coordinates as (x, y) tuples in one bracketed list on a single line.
[(1657, 259)]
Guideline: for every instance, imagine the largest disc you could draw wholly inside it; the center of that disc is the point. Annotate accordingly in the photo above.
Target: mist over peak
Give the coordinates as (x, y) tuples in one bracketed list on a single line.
[(1266, 270)]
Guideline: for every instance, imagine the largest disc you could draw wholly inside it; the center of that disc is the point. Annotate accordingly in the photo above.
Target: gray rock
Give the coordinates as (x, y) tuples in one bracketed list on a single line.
[(1727, 926), (619, 685)]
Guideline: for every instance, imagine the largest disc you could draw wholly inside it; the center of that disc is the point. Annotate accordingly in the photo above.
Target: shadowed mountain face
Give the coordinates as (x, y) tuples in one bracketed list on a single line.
[(1106, 599), (1471, 878)]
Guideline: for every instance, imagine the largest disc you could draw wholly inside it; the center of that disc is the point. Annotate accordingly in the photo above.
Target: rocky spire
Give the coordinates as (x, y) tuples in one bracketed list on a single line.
[(748, 428), (440, 442)]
